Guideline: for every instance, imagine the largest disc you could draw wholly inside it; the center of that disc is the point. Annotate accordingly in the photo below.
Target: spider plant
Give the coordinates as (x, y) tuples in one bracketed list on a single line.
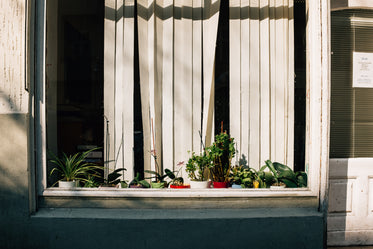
[(74, 167)]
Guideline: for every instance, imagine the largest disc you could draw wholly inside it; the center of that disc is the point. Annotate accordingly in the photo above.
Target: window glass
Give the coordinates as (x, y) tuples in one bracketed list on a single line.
[(75, 85), (74, 90), (351, 108)]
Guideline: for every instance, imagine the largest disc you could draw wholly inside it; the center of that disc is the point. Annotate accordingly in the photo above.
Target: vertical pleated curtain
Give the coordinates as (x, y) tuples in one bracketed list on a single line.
[(118, 85), (262, 80), (177, 40)]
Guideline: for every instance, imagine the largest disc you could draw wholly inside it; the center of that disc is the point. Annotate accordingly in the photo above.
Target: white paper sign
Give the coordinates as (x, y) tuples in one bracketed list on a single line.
[(362, 70)]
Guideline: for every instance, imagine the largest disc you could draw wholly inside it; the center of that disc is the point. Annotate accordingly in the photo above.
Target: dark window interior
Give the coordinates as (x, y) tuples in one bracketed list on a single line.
[(79, 90), (299, 84), (222, 70)]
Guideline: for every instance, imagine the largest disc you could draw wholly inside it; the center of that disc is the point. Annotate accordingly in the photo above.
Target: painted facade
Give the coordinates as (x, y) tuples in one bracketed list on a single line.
[(33, 216)]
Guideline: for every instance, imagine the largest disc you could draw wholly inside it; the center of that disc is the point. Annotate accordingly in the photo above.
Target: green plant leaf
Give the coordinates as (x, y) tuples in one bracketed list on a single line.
[(153, 173), (144, 183), (281, 167), (288, 174), (289, 183), (272, 169), (170, 174), (113, 176), (301, 179)]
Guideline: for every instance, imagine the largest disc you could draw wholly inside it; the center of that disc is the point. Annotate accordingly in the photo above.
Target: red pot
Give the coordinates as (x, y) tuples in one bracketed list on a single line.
[(220, 184), (183, 186)]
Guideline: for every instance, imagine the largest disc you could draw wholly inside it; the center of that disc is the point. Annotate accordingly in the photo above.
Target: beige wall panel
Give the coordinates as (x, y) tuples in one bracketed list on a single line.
[(13, 97)]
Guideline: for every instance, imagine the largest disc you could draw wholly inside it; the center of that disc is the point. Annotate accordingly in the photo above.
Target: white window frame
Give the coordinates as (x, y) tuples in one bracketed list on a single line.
[(317, 132)]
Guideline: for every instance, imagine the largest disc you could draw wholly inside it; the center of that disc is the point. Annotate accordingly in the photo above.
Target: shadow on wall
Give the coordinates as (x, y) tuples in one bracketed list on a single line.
[(13, 163)]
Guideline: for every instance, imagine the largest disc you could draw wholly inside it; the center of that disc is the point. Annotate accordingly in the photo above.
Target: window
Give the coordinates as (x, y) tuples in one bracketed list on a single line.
[(161, 98)]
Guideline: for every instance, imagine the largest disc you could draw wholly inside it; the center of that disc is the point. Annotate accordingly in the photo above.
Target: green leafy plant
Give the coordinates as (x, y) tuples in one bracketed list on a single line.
[(263, 178), (242, 176), (285, 175), (160, 178), (113, 178), (137, 181), (74, 167), (92, 182), (221, 153), (198, 167), (175, 179)]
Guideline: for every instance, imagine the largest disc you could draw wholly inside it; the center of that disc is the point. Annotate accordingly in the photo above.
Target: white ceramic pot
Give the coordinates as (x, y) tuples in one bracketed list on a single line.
[(65, 184), (199, 184), (277, 187)]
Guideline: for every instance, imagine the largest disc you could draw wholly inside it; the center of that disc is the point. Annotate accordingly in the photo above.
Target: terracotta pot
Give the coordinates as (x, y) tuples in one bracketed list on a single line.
[(182, 186), (199, 184), (220, 184)]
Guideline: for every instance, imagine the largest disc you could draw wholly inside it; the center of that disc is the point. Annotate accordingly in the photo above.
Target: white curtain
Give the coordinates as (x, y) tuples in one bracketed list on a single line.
[(262, 80), (175, 38)]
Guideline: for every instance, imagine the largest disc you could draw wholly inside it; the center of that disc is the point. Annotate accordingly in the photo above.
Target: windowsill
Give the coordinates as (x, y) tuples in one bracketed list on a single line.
[(199, 193)]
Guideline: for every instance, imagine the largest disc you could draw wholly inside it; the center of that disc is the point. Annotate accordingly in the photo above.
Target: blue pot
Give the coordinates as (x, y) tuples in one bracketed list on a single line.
[(236, 186)]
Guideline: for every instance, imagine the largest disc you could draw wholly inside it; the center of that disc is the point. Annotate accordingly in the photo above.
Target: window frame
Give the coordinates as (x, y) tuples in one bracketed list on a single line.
[(317, 132)]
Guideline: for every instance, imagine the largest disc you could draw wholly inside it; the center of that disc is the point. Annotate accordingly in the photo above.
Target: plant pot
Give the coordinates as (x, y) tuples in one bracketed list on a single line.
[(123, 184), (220, 184), (158, 184), (277, 187), (181, 186), (67, 184), (236, 186), (256, 184), (199, 184), (136, 186)]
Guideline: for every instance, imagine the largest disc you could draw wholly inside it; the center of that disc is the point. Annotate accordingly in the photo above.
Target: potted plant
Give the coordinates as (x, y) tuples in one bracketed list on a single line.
[(221, 153), (159, 180), (285, 177), (137, 182), (177, 181), (263, 179), (242, 177), (113, 179), (92, 182), (197, 169), (73, 168)]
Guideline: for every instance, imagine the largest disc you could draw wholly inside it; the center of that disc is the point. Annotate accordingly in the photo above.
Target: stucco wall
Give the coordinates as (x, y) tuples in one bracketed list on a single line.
[(69, 229)]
